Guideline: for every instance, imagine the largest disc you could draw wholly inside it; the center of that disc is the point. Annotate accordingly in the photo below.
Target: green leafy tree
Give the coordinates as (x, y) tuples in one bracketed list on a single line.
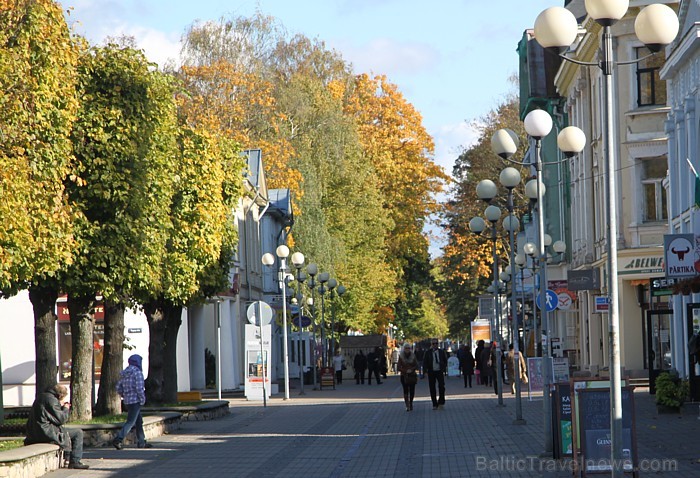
[(37, 109), (124, 141)]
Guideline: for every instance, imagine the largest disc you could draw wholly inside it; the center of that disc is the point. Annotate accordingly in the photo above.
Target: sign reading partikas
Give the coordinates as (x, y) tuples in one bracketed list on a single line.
[(679, 255)]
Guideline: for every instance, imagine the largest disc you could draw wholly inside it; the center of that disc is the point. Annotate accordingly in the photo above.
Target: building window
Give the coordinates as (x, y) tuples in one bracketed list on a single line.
[(651, 90), (653, 173)]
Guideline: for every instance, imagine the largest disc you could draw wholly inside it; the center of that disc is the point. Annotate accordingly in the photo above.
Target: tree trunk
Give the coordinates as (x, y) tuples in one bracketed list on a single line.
[(43, 298), (173, 320), (156, 346), (108, 401), (82, 326)]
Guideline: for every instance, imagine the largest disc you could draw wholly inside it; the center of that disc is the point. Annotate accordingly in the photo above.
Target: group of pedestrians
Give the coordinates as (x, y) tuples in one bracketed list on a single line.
[(414, 364), (50, 412), (374, 363)]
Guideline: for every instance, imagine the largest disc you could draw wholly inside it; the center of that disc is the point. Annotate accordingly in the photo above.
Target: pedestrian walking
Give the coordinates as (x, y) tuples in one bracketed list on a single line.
[(435, 365), (466, 363), (395, 360), (479, 366), (487, 368), (131, 388), (510, 366), (49, 413), (407, 365), (338, 366), (373, 365), (359, 364)]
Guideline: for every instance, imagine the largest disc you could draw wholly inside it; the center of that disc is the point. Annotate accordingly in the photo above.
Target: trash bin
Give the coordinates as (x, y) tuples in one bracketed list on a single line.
[(309, 377)]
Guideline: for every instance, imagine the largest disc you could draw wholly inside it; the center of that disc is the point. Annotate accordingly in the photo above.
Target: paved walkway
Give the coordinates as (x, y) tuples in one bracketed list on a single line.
[(361, 430)]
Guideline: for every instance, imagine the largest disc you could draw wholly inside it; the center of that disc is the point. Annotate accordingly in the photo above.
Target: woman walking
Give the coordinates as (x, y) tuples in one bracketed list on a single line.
[(408, 367)]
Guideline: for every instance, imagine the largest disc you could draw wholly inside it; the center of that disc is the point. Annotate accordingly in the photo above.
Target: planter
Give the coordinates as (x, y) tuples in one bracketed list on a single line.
[(666, 410)]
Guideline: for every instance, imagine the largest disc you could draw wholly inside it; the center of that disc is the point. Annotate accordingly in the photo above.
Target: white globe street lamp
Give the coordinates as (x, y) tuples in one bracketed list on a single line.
[(656, 26)]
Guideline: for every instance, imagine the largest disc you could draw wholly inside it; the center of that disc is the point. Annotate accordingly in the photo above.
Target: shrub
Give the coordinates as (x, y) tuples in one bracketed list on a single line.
[(671, 390)]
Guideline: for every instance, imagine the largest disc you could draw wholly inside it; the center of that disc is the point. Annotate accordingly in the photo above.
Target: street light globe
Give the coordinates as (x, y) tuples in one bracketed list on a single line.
[(298, 259), (547, 240), (486, 190), (504, 276), (571, 140), (310, 301), (332, 283), (489, 289), (656, 26), (530, 249), (607, 12), (559, 247), (508, 270), (282, 251), (504, 143), (268, 259), (556, 27), (341, 290), (509, 177), (492, 213), (538, 123), (312, 269), (477, 225), (520, 259), (511, 223), (323, 277), (531, 189)]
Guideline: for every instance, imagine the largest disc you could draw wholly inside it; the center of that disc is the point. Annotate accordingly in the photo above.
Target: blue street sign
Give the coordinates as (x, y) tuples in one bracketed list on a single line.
[(552, 300)]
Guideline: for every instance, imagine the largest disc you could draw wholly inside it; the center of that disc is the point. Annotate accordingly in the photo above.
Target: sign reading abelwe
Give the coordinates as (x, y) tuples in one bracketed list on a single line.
[(680, 255)]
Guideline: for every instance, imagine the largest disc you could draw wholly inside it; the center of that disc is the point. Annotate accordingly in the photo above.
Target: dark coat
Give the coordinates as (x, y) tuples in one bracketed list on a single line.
[(467, 362), (372, 361), (428, 361), (46, 419), (477, 357), (486, 360), (360, 362)]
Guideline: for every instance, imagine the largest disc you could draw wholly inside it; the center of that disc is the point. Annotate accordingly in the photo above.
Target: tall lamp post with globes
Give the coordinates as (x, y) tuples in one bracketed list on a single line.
[(510, 178), (298, 261), (486, 190), (323, 278), (269, 260), (312, 270), (656, 25)]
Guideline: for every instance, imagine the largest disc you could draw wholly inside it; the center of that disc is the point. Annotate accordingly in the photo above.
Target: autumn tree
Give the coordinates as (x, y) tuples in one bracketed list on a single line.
[(395, 141), (124, 140), (199, 249), (467, 261), (37, 110)]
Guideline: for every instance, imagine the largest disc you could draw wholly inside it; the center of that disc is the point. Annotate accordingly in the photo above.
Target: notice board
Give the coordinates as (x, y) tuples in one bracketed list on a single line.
[(593, 423), (562, 427)]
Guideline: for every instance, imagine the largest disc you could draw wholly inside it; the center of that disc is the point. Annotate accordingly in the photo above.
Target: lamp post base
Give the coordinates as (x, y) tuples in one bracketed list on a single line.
[(519, 421)]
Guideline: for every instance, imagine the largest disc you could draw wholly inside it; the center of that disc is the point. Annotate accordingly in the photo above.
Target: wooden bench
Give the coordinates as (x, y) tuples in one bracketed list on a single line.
[(191, 396)]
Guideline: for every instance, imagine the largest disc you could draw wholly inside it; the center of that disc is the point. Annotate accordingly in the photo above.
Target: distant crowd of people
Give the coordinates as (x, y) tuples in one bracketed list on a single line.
[(412, 363)]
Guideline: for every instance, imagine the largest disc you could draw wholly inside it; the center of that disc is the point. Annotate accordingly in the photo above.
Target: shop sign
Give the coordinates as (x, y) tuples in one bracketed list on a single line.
[(679, 253)]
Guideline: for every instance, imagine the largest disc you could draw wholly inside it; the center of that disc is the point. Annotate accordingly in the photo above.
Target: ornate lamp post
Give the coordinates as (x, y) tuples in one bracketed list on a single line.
[(312, 270), (656, 26), (486, 190), (510, 178), (323, 278), (298, 261), (269, 260), (339, 291)]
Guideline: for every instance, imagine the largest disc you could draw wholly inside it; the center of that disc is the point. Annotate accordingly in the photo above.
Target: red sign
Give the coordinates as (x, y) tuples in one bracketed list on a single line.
[(64, 315)]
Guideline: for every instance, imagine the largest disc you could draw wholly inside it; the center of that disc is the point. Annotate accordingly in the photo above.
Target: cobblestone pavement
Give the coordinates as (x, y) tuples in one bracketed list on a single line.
[(361, 430)]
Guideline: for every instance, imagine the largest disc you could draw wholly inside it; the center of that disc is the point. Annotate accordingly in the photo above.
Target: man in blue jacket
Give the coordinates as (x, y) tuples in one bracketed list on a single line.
[(133, 392)]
